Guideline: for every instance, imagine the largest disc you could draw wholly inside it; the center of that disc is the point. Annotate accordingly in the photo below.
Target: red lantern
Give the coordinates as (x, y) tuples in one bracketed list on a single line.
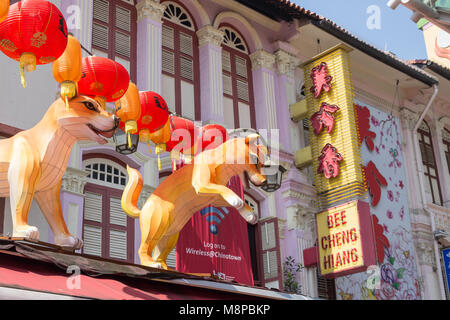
[(154, 114), (210, 137), (182, 137), (34, 33), (104, 79)]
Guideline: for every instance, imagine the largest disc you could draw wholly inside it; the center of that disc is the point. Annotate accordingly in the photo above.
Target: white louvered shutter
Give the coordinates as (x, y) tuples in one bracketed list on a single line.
[(171, 259), (116, 214), (168, 61), (92, 235), (117, 238), (101, 10), (227, 84), (270, 249), (226, 61), (186, 44), (241, 67), (167, 37), (93, 207), (242, 90), (92, 240), (187, 68)]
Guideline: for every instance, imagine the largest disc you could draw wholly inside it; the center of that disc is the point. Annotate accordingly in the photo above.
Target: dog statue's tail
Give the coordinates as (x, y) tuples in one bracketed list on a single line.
[(131, 193)]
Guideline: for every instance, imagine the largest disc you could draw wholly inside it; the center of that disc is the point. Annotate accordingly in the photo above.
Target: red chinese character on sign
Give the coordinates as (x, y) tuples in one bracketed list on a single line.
[(329, 161), (324, 118), (321, 79), (363, 117), (381, 242), (374, 181)]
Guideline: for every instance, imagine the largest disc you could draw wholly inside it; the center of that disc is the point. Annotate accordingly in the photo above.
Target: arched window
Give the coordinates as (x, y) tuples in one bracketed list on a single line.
[(238, 100), (114, 32), (432, 186), (180, 62), (107, 231)]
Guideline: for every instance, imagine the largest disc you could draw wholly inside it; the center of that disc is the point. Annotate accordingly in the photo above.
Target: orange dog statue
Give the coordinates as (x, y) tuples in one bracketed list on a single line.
[(33, 162), (190, 189)]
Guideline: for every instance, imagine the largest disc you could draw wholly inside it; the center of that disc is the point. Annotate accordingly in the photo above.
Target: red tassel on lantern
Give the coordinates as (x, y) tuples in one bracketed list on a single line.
[(34, 33), (104, 79)]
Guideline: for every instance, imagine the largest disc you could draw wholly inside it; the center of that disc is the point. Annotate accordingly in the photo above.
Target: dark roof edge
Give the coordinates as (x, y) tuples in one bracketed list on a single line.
[(373, 52), (433, 66)]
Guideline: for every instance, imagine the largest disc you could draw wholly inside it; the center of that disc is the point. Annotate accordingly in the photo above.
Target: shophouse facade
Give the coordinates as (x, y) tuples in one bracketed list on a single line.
[(239, 64)]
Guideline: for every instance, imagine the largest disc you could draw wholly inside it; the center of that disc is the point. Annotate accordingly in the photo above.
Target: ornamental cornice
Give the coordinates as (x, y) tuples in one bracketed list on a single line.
[(210, 35), (286, 63), (74, 181), (150, 9), (409, 117), (262, 59)]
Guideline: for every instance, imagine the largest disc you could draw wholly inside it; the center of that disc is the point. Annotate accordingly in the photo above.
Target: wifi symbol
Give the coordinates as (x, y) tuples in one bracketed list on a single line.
[(214, 216)]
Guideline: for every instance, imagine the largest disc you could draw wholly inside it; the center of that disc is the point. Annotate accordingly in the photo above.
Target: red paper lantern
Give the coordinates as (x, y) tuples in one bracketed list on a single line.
[(183, 134), (34, 33), (210, 137), (104, 79), (154, 114)]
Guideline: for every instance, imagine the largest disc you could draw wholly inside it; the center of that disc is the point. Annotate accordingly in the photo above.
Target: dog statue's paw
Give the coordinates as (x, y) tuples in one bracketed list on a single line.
[(27, 232), (248, 214), (68, 241), (237, 203)]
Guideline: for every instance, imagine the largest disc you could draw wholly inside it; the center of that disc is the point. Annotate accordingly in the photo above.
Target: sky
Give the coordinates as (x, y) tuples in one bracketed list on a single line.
[(374, 22)]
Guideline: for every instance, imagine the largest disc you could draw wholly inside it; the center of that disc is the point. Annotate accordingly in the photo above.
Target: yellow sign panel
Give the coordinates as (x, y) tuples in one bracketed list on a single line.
[(344, 135), (339, 235)]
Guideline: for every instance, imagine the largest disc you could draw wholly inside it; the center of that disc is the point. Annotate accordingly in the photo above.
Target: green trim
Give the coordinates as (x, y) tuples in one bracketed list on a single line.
[(421, 23)]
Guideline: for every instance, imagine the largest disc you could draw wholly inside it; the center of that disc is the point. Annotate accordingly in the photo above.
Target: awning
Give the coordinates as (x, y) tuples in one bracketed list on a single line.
[(45, 268)]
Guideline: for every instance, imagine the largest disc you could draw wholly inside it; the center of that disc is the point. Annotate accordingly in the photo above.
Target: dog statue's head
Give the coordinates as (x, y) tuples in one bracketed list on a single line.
[(85, 119)]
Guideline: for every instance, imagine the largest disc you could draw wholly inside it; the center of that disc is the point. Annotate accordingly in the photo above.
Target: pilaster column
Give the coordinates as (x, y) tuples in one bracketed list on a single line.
[(210, 54), (264, 89), (78, 15), (285, 87), (72, 199), (149, 44), (408, 121)]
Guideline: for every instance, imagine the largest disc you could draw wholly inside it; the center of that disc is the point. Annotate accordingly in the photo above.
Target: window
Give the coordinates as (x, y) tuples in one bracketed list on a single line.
[(270, 252), (180, 66), (114, 32), (107, 231), (326, 288), (446, 141), (237, 81), (432, 185)]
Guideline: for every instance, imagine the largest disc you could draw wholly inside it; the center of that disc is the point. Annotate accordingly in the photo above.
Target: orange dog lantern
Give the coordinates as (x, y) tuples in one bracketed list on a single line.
[(4, 8), (104, 79), (67, 69), (128, 109), (34, 33)]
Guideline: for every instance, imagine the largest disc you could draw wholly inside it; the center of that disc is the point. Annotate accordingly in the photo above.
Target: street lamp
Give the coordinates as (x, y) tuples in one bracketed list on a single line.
[(121, 141), (273, 181)]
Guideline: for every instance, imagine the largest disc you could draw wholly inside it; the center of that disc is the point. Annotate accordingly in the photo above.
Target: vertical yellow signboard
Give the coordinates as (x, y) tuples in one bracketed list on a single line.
[(334, 141)]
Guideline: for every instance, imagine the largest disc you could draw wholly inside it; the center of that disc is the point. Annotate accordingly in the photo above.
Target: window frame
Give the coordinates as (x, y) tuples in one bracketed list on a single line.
[(112, 28), (427, 165), (177, 28), (235, 77), (447, 145)]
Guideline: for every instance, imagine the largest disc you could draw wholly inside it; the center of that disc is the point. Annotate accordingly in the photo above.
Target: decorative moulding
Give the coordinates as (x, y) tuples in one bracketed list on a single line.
[(262, 59), (74, 181), (210, 35), (150, 9)]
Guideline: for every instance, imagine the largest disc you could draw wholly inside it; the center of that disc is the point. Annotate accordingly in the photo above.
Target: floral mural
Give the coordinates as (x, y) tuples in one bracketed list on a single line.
[(395, 276)]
